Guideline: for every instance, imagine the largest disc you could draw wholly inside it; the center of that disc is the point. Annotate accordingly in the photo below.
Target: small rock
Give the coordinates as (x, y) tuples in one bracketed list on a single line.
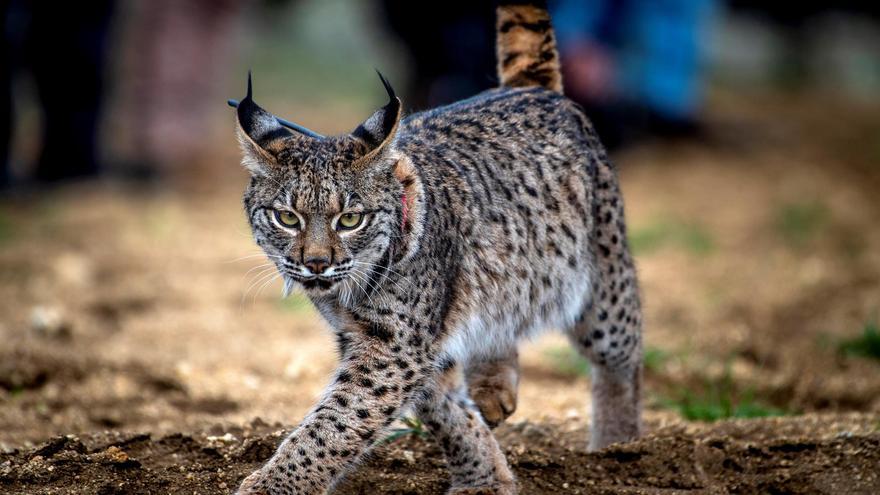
[(117, 457), (50, 322), (228, 438), (115, 454), (408, 455)]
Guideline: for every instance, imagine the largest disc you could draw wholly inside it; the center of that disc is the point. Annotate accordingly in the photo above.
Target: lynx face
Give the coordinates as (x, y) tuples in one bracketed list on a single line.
[(323, 219), (325, 210)]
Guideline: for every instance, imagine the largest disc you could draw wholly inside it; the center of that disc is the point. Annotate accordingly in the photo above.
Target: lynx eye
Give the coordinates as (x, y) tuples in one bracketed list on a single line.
[(287, 218), (349, 221)]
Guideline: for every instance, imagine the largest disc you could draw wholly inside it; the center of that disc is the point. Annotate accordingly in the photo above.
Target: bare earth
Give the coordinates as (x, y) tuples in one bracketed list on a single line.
[(828, 454), (143, 350)]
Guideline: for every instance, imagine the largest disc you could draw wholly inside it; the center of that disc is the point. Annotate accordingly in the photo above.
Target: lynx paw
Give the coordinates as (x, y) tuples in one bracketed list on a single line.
[(493, 387), (495, 403), (250, 485)]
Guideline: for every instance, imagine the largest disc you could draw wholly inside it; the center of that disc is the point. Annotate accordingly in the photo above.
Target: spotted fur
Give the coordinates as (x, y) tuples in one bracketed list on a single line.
[(483, 222), (526, 46)]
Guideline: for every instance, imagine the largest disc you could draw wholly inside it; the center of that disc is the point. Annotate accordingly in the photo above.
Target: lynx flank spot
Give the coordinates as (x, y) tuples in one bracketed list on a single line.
[(432, 244)]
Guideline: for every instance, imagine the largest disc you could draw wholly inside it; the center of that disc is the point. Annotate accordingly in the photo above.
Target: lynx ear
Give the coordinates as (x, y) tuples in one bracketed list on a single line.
[(263, 136), (378, 130)]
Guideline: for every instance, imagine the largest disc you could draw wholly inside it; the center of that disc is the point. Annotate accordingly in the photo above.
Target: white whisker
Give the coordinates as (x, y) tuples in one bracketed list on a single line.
[(263, 265), (265, 269), (255, 255), (289, 285), (365, 278), (385, 275), (385, 268), (264, 275), (263, 286), (354, 279)]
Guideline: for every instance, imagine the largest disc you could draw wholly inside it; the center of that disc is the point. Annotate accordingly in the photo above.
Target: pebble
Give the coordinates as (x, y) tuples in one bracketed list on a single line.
[(50, 322), (228, 438), (115, 454)]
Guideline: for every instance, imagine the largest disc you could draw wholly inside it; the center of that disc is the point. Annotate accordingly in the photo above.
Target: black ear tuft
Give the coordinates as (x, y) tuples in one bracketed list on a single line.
[(378, 130), (388, 88), (260, 126), (286, 123)]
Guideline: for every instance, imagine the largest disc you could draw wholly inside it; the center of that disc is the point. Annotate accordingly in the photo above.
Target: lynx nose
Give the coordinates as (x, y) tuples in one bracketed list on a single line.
[(317, 265)]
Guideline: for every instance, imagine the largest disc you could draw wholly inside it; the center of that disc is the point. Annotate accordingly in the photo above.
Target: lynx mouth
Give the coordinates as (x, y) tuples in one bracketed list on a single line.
[(318, 283)]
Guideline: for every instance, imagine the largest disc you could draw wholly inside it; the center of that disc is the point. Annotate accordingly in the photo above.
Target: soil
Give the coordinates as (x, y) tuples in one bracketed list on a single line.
[(140, 338), (813, 454)]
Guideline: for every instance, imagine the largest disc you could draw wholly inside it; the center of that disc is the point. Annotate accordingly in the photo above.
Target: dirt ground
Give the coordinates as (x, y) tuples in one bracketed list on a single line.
[(143, 349), (811, 454)]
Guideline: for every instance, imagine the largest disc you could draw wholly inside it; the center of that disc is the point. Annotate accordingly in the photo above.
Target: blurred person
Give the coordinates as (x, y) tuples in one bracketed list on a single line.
[(177, 54), (635, 65), (453, 48), (64, 47)]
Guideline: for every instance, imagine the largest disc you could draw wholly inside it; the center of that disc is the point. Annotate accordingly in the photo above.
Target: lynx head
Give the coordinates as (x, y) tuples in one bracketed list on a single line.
[(330, 212)]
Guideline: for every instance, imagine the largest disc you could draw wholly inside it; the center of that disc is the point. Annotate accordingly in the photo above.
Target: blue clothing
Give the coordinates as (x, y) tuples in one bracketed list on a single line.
[(657, 46)]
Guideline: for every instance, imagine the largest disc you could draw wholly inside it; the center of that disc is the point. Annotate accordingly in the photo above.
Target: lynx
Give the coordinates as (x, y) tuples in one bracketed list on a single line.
[(432, 244)]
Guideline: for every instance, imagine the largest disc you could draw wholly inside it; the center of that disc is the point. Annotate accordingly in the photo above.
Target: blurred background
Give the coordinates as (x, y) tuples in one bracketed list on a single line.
[(747, 137)]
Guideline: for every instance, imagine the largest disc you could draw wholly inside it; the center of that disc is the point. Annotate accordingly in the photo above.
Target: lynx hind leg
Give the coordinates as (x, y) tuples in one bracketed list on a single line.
[(493, 386), (476, 462), (608, 333)]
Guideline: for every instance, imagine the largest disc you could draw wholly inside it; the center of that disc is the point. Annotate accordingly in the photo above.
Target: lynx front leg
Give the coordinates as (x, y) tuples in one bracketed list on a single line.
[(493, 384), (380, 370), (475, 460)]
